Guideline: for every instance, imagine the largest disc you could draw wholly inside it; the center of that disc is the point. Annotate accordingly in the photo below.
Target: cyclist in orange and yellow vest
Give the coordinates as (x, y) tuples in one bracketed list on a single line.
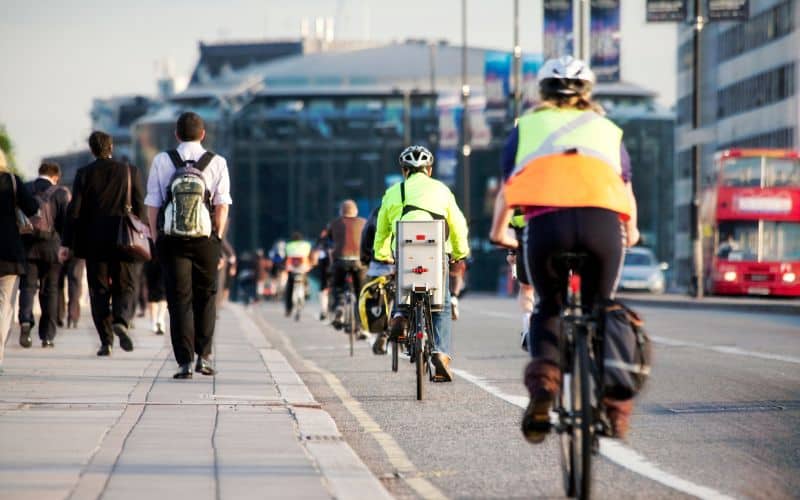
[(571, 176)]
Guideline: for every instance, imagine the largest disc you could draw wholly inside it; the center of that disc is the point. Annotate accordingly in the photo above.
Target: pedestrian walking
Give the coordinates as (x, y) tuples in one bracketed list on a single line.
[(71, 278), (99, 203), (42, 267), (156, 295), (188, 196), (13, 197)]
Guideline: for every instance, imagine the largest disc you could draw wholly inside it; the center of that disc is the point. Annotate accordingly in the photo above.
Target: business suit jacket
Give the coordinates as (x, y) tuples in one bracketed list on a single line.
[(98, 204), (12, 252), (47, 250)]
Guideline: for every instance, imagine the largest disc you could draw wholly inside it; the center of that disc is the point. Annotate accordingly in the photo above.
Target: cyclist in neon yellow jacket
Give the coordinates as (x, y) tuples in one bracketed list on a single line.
[(420, 197)]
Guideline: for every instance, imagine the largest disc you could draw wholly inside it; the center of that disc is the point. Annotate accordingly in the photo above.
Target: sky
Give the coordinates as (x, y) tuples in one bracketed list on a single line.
[(57, 55)]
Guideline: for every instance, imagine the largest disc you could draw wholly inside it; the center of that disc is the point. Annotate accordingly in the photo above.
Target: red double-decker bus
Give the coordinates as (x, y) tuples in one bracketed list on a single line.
[(752, 224)]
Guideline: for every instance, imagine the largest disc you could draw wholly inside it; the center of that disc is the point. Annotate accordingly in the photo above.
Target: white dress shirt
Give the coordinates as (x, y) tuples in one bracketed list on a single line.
[(215, 175)]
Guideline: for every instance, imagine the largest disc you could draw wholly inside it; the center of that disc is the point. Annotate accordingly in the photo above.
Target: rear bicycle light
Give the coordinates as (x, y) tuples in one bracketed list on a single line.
[(575, 283)]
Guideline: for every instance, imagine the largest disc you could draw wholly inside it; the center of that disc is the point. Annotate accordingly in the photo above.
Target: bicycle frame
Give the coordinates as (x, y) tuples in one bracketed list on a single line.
[(579, 406), (420, 338)]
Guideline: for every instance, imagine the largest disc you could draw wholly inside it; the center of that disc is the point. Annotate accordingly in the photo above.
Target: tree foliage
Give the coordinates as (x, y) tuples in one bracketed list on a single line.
[(8, 148)]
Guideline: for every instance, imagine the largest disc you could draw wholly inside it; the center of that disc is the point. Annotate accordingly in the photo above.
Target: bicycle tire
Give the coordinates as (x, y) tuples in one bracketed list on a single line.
[(583, 429), (566, 436), (420, 368), (395, 355), (349, 319)]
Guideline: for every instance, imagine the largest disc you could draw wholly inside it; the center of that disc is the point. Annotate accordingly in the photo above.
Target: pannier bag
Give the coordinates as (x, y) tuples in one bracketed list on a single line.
[(187, 212), (374, 304), (627, 352)]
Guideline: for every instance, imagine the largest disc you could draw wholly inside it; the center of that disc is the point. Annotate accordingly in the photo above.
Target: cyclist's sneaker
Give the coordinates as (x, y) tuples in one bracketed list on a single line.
[(362, 335), (619, 414), (323, 316), (441, 362), (398, 327), (379, 346), (338, 319), (454, 307), (523, 338)]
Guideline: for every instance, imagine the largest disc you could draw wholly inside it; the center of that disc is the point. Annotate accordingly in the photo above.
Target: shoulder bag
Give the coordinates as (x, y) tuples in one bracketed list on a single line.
[(133, 238)]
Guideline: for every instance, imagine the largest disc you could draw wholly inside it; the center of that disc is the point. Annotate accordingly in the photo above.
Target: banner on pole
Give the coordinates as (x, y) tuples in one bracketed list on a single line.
[(605, 40), (666, 11), (558, 21)]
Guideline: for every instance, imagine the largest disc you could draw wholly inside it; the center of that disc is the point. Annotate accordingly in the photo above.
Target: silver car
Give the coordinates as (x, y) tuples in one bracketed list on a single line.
[(641, 271)]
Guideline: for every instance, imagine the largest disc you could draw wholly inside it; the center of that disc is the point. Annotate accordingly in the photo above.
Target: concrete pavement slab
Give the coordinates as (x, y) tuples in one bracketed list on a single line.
[(73, 425)]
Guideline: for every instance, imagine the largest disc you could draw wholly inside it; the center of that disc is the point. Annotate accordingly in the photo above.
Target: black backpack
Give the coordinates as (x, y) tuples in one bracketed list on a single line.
[(628, 352)]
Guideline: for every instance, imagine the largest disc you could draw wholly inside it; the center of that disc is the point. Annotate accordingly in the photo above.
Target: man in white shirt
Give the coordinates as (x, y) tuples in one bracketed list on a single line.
[(189, 247)]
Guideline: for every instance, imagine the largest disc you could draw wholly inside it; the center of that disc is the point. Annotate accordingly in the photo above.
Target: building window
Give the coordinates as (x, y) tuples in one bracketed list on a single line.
[(783, 138), (759, 30), (685, 106), (759, 90)]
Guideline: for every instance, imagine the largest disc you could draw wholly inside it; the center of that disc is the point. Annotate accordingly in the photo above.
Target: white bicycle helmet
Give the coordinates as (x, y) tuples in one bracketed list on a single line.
[(416, 158), (565, 76)]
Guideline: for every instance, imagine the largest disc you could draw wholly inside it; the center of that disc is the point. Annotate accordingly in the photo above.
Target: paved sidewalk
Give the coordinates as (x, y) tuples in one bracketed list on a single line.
[(73, 425)]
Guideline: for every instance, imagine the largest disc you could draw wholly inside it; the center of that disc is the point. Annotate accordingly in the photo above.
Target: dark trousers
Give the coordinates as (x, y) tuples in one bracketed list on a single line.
[(71, 276), (111, 293), (190, 276), (41, 276), (594, 231), (289, 291), (341, 269)]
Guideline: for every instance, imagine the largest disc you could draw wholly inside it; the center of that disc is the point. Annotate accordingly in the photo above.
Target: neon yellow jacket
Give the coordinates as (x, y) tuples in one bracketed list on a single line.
[(432, 197)]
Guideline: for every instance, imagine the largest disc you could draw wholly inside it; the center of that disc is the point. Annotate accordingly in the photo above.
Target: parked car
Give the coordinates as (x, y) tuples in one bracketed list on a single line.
[(641, 271)]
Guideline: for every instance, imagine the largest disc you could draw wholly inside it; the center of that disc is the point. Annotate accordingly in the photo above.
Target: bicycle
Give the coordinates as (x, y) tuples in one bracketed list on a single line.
[(298, 294), (579, 402), (349, 317), (418, 342)]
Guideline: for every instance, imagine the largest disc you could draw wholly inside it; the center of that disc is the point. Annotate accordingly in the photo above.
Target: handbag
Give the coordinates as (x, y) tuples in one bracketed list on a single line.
[(133, 238), (24, 225)]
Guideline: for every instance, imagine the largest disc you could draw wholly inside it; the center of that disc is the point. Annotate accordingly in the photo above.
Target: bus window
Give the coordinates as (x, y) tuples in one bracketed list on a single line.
[(781, 241), (738, 241), (782, 172), (741, 172)]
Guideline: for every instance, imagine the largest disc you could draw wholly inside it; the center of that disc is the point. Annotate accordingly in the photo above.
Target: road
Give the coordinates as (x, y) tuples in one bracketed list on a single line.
[(719, 418)]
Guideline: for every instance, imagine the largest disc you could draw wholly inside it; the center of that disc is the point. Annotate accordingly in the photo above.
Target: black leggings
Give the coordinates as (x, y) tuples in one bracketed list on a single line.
[(594, 231)]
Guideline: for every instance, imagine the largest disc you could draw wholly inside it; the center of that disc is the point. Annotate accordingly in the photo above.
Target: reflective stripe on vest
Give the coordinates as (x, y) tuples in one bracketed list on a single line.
[(568, 158)]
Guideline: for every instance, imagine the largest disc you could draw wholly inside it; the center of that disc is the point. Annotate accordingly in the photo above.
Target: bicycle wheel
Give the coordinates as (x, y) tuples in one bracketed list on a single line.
[(395, 355), (420, 361), (582, 430), (566, 436), (350, 320)]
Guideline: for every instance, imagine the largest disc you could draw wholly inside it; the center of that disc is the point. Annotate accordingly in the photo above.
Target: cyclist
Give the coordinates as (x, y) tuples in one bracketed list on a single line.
[(525, 295), (321, 254), (571, 174), (298, 261), (375, 270), (420, 197), (345, 233)]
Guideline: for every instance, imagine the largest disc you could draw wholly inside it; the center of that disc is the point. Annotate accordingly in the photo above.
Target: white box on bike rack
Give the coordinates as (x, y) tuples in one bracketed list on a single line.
[(421, 260)]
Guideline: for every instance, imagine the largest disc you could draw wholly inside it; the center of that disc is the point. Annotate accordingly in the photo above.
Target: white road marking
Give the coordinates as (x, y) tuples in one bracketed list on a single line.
[(612, 450), (724, 349)]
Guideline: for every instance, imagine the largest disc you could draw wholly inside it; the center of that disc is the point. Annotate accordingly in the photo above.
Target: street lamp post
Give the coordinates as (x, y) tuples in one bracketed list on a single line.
[(466, 150), (517, 65), (697, 156)]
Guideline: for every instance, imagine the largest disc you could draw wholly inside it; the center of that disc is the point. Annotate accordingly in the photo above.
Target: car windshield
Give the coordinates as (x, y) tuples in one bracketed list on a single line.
[(759, 241), (639, 259)]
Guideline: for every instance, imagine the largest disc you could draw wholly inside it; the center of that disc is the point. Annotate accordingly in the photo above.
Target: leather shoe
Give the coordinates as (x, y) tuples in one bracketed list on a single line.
[(204, 366), (105, 350), (48, 343), (441, 362), (398, 327), (25, 335), (125, 341), (185, 371)]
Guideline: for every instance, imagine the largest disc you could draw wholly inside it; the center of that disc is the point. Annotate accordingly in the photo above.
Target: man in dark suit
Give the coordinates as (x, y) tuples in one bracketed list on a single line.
[(43, 267), (98, 204)]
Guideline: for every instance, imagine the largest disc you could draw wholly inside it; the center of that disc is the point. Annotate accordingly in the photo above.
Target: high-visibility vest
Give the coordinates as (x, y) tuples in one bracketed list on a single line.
[(298, 254), (568, 158)]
